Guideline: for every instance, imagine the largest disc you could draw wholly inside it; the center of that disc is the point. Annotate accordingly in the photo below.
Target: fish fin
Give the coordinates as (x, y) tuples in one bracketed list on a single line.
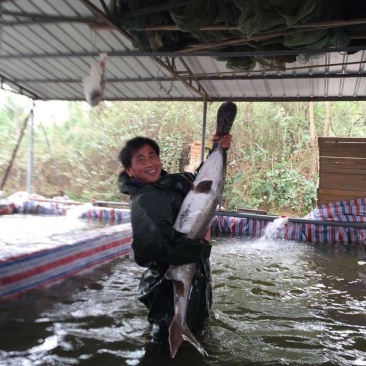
[(168, 273), (203, 186), (178, 334), (189, 337), (225, 118)]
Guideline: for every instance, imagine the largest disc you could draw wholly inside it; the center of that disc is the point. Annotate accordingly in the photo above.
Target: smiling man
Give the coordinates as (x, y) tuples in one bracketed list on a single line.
[(156, 197), (145, 165)]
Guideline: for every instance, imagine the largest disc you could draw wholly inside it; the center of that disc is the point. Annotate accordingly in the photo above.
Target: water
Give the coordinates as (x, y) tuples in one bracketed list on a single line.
[(34, 229), (274, 229), (275, 303), (24, 234)]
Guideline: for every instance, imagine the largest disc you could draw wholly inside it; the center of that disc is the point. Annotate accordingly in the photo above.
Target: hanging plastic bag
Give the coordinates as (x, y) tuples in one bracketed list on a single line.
[(94, 83)]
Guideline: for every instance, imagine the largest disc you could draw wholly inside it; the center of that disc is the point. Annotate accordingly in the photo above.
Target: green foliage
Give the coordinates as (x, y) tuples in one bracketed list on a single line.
[(282, 188), (348, 119), (277, 190), (268, 163), (14, 110)]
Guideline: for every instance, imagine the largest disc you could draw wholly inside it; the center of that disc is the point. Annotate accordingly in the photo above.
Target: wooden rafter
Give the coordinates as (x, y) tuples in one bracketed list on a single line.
[(306, 26), (168, 68), (261, 37)]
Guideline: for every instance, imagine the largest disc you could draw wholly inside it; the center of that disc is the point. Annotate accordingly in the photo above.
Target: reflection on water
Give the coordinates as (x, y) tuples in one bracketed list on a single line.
[(275, 303)]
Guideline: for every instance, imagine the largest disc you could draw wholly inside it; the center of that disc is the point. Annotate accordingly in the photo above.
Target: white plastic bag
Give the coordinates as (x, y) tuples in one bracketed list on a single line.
[(94, 83)]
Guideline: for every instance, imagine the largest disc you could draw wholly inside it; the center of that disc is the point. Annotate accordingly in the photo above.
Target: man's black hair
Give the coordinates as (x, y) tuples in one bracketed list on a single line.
[(131, 146)]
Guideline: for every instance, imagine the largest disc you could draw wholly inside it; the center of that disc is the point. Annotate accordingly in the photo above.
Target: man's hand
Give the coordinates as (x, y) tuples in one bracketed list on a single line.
[(225, 140)]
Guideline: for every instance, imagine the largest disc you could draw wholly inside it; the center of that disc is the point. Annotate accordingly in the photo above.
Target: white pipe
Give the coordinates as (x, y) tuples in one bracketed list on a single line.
[(204, 131), (30, 151)]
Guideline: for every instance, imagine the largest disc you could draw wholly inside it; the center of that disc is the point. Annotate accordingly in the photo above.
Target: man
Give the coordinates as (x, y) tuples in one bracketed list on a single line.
[(156, 197)]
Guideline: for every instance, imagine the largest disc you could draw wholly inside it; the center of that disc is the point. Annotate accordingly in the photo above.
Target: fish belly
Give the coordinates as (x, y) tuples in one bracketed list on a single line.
[(195, 214)]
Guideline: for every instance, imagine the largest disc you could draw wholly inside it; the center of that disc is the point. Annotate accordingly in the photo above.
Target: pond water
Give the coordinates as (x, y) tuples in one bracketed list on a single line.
[(32, 229), (25, 234), (275, 303)]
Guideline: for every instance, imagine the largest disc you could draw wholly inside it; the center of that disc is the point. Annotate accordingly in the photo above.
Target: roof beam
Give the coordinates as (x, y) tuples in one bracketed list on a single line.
[(39, 19), (202, 77), (16, 85), (105, 7), (233, 99), (171, 70), (304, 27), (177, 77), (158, 8), (194, 54)]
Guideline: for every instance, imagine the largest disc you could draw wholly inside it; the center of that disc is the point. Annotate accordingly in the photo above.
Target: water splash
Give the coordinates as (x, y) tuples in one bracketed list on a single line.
[(76, 212), (275, 229)]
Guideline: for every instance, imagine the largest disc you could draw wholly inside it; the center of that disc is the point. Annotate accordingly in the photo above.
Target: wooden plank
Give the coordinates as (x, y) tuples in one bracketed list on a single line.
[(341, 160), (356, 186), (344, 178), (351, 188), (341, 197), (330, 199), (335, 149), (323, 140), (342, 192), (344, 145), (334, 164), (341, 169), (352, 162), (346, 152)]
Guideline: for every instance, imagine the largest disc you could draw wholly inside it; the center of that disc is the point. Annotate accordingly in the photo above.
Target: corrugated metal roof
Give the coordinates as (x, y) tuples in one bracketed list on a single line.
[(46, 48)]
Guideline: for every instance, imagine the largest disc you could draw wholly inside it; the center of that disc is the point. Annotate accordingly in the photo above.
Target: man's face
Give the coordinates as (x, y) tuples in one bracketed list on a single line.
[(145, 165)]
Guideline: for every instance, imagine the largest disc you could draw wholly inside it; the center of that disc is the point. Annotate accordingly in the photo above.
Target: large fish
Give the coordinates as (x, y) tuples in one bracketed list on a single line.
[(193, 220), (94, 83), (199, 205)]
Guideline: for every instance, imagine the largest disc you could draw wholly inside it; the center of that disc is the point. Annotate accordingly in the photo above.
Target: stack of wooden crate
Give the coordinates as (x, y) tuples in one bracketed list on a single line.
[(342, 169)]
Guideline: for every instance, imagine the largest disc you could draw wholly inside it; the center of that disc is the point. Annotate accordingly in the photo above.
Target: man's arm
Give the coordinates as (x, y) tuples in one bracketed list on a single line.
[(155, 239)]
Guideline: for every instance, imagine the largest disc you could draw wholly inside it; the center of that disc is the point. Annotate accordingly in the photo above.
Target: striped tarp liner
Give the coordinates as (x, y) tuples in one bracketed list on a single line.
[(107, 214), (238, 226), (345, 211), (332, 234), (91, 213), (43, 208), (294, 231), (80, 252), (6, 208), (351, 211)]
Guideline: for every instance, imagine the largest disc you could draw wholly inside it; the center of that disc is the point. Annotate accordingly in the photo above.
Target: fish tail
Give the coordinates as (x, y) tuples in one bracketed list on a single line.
[(178, 334), (175, 336), (225, 118)]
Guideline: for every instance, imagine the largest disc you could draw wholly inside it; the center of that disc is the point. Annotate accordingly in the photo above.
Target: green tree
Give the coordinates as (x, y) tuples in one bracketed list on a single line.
[(268, 164)]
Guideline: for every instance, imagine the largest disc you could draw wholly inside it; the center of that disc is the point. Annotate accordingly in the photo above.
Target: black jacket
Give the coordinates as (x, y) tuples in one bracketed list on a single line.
[(157, 245)]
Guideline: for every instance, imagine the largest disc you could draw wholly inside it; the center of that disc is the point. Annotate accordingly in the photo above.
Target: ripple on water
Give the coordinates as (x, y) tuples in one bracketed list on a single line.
[(275, 303)]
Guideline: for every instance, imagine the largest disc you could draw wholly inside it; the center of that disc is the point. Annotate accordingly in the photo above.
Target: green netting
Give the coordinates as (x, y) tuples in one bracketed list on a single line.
[(251, 18)]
